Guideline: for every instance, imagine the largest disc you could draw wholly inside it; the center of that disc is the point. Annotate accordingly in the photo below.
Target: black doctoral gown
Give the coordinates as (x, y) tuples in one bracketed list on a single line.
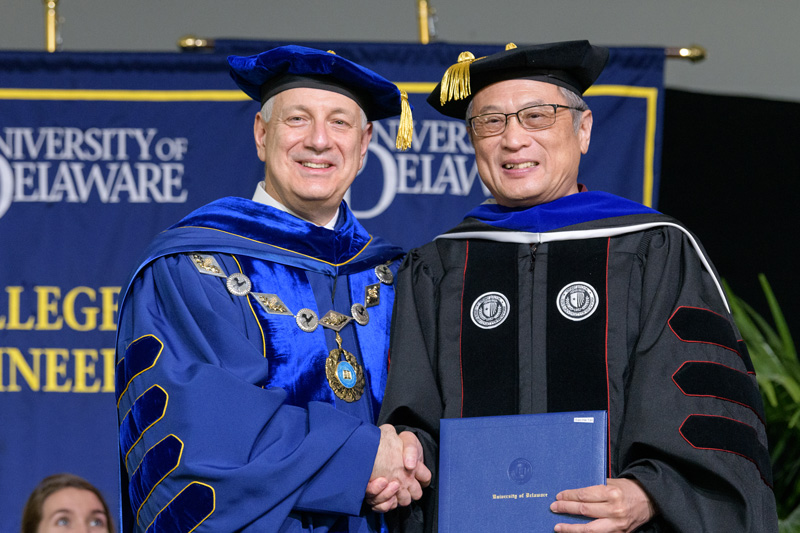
[(609, 305)]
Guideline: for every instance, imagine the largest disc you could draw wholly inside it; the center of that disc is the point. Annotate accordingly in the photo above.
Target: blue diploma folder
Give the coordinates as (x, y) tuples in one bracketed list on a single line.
[(501, 473)]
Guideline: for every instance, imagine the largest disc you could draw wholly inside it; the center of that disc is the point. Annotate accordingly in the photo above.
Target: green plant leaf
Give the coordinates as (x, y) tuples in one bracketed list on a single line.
[(777, 316), (774, 358)]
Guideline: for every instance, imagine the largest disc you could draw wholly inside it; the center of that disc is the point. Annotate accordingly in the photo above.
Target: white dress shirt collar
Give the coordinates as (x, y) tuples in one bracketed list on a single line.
[(262, 196)]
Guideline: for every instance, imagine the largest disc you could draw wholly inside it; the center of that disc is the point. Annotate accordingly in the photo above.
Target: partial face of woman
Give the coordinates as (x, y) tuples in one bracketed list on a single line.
[(73, 510)]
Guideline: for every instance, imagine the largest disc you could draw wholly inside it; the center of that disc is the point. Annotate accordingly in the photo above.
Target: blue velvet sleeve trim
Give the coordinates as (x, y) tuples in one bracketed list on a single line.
[(156, 465), (190, 508), (146, 410), (140, 356)]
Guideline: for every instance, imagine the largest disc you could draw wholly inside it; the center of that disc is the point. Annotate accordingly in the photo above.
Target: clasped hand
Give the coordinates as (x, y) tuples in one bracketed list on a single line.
[(399, 473)]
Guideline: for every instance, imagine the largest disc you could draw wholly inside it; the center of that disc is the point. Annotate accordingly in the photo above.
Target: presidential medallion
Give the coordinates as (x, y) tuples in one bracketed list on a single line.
[(345, 376)]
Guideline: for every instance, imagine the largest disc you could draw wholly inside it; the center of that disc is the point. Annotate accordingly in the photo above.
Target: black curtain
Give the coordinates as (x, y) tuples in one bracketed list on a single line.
[(731, 173)]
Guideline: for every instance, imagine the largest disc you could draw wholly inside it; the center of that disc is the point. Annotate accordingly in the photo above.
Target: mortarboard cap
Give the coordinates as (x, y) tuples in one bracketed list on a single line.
[(264, 75), (574, 65)]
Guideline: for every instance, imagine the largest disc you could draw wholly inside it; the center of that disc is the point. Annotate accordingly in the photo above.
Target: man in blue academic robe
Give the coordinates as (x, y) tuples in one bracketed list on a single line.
[(253, 336)]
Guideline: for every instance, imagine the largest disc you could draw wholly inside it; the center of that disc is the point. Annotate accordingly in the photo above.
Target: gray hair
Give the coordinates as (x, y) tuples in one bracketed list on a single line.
[(266, 112), (573, 100)]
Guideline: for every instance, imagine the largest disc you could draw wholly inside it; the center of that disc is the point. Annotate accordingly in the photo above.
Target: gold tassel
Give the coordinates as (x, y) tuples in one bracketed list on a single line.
[(405, 131), (510, 46), (455, 82)]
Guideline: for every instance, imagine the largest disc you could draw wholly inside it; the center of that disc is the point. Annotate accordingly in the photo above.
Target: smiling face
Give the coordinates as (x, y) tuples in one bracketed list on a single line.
[(523, 168), (312, 147), (73, 509)]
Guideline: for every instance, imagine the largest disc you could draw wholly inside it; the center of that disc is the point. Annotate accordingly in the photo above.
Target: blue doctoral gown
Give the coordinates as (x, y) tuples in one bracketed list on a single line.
[(227, 418)]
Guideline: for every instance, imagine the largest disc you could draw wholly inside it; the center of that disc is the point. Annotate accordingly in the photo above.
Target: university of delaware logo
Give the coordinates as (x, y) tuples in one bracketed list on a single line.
[(489, 310), (110, 165), (577, 301), (520, 471)]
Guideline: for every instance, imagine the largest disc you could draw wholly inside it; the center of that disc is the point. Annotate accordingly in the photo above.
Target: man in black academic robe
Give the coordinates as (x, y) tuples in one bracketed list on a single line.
[(553, 298)]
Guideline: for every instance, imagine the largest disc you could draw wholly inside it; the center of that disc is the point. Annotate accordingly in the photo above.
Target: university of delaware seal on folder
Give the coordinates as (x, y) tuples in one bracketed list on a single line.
[(501, 473)]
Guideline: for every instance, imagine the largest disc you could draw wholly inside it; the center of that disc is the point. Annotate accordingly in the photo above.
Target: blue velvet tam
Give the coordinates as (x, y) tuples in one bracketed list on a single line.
[(266, 74), (574, 65)]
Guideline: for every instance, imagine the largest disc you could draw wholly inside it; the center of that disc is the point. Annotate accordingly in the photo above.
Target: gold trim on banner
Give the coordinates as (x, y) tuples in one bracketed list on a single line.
[(650, 94), (122, 95), (127, 95)]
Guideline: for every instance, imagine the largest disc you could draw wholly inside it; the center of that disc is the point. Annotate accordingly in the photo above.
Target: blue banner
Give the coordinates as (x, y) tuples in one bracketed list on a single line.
[(99, 152)]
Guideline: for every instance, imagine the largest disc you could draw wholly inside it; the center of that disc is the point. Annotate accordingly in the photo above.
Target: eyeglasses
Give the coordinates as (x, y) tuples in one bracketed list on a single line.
[(537, 117)]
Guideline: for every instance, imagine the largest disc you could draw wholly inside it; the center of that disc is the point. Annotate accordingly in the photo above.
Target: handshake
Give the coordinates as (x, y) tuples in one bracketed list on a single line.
[(399, 473)]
